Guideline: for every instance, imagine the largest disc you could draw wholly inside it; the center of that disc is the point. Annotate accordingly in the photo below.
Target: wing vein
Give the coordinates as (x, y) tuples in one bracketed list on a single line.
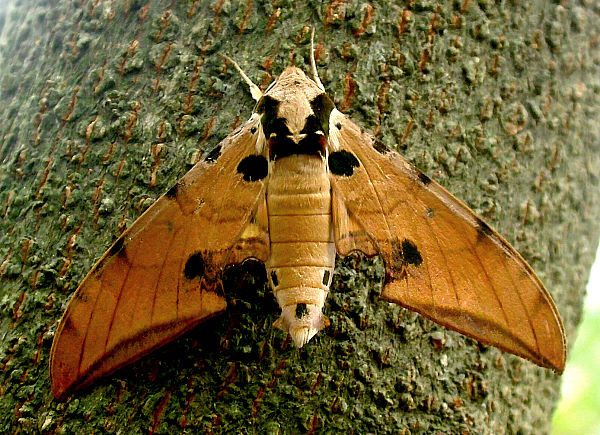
[(437, 242), (158, 280), (537, 343), (431, 290), (180, 272), (112, 318), (487, 276), (379, 203), (447, 267), (87, 328)]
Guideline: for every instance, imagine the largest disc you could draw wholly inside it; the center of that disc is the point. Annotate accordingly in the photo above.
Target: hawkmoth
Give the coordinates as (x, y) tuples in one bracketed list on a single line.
[(295, 185)]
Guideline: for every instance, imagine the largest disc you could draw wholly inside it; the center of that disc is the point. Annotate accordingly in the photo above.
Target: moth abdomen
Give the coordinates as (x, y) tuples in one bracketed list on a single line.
[(302, 247)]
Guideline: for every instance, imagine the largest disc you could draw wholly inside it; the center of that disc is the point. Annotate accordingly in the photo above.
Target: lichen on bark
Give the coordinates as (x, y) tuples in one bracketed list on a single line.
[(107, 103)]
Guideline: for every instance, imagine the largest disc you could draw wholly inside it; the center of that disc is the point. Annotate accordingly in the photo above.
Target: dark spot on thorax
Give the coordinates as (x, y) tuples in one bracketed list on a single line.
[(267, 107), (277, 132), (253, 167), (281, 145), (194, 266), (322, 107), (301, 310), (343, 163)]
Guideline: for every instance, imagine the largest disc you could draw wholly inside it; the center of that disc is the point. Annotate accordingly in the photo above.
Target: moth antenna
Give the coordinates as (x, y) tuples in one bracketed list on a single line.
[(313, 64), (254, 90)]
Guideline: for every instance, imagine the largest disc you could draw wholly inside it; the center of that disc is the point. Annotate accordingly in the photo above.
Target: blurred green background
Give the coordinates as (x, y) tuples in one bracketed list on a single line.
[(578, 411)]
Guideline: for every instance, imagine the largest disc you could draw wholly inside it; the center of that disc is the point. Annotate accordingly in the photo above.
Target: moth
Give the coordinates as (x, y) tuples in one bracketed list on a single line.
[(295, 185)]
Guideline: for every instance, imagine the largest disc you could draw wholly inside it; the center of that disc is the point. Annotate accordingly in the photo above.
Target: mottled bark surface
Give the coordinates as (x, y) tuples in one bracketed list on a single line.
[(105, 104)]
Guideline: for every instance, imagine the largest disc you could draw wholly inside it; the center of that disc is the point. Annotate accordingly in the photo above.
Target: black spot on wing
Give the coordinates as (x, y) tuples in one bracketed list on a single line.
[(301, 311), (405, 253), (81, 296), (326, 276), (429, 212), (194, 266), (172, 192), (380, 147), (268, 107), (213, 155), (117, 247), (343, 163), (68, 323), (411, 253), (424, 178), (484, 231), (253, 167), (274, 278)]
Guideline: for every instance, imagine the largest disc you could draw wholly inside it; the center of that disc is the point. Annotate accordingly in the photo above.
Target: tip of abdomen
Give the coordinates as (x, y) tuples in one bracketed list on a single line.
[(302, 321), (302, 335)]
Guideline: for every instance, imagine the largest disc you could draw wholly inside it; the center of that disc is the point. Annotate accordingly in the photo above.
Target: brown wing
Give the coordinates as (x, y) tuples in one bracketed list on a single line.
[(161, 277), (441, 259)]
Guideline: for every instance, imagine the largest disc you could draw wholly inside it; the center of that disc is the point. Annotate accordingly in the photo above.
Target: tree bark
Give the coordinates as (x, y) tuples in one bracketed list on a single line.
[(105, 104)]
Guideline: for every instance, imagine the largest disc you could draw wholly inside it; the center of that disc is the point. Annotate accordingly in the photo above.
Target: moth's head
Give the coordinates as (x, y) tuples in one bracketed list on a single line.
[(294, 113)]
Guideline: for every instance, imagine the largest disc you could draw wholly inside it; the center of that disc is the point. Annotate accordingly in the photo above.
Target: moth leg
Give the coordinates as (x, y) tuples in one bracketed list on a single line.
[(313, 64), (254, 90)]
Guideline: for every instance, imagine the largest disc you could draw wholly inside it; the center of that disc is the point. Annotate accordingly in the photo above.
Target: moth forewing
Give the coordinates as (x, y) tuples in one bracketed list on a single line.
[(441, 259), (162, 276)]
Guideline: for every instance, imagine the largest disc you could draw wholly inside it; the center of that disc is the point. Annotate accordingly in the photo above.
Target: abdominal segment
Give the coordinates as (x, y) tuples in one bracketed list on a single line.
[(302, 248)]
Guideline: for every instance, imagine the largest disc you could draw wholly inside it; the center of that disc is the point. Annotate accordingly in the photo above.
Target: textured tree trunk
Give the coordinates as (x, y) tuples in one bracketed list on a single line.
[(105, 104)]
